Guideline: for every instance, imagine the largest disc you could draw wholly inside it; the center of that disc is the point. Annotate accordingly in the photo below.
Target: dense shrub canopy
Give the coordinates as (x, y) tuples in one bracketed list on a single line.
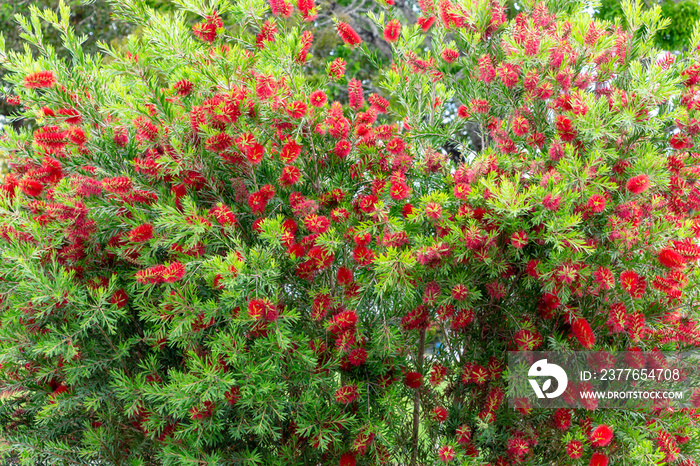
[(206, 260)]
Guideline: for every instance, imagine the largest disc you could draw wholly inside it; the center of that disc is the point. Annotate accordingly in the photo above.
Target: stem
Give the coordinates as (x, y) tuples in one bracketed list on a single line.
[(416, 398)]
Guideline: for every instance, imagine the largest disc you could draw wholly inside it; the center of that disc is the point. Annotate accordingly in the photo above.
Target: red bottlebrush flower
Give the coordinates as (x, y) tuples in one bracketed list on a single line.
[(336, 69), (446, 453), (574, 449), (266, 34), (355, 96), (357, 357), (508, 74), (346, 394), (306, 40), (439, 414), (426, 23), (318, 98), (121, 137), (565, 128), (486, 70), (596, 203), (317, 223), (77, 136), (460, 292), (378, 103), (219, 142), (120, 298), (399, 191), (638, 184), (617, 318), (449, 55), (117, 185), (433, 211), (145, 130), (205, 411), (519, 239), (206, 32), (601, 436), (342, 149), (173, 272), (667, 443), (396, 146), (13, 100), (413, 380), (671, 259), (51, 137), (348, 459), (344, 276), (437, 374), (233, 395), (150, 275), (40, 79), (407, 210), (290, 151), (223, 215), (30, 187), (527, 340), (463, 111), (562, 419), (73, 117), (362, 442), (296, 109), (290, 176), (523, 405), (629, 280), (480, 106), (463, 434), (552, 203), (183, 87), (348, 34), (681, 141), (255, 153), (598, 459), (604, 278), (583, 332), (141, 233), (520, 126), (343, 321), (418, 318), (392, 30), (635, 326), (262, 309)]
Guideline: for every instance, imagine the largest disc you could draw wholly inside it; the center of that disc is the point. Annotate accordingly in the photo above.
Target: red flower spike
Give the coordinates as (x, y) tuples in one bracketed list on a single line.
[(598, 459), (601, 436), (39, 80), (439, 414), (583, 332), (413, 380), (117, 185), (141, 233), (348, 459), (638, 184), (671, 259), (348, 34), (392, 30), (446, 453), (346, 394), (173, 273), (574, 449)]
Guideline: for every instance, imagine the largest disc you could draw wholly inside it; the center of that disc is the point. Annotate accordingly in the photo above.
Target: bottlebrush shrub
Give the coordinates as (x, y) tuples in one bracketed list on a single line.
[(206, 260)]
